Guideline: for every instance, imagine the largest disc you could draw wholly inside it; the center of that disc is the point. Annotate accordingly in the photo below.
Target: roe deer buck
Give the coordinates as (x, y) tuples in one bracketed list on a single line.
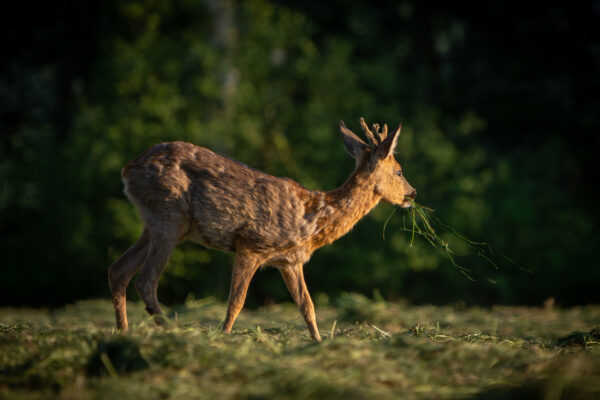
[(183, 191)]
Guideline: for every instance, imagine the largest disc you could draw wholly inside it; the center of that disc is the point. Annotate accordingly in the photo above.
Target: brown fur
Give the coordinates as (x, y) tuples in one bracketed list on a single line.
[(184, 191)]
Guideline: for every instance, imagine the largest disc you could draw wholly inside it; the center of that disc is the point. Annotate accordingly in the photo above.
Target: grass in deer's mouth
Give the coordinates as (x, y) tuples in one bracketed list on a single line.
[(422, 221)]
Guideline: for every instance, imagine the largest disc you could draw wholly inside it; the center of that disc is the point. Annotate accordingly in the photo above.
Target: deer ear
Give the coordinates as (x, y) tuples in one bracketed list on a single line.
[(354, 145), (388, 145)]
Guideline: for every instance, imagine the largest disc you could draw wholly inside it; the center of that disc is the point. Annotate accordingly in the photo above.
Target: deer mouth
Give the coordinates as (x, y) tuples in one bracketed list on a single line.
[(406, 203), (408, 200)]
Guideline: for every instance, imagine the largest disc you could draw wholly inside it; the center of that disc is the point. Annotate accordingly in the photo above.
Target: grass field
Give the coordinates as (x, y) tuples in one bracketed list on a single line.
[(370, 350)]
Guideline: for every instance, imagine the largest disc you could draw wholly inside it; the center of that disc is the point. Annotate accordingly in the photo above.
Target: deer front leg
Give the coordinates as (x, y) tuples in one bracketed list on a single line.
[(243, 271), (293, 276)]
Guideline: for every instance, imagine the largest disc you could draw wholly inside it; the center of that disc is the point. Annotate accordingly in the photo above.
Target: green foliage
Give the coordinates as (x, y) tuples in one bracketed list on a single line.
[(486, 141), (383, 350)]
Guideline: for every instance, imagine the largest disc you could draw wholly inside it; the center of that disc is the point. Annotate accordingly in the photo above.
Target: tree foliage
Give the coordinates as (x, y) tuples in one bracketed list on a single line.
[(500, 129)]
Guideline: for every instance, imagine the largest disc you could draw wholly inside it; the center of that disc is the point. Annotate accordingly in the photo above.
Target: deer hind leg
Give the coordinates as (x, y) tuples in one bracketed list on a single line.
[(293, 276), (243, 271), (161, 246), (120, 274)]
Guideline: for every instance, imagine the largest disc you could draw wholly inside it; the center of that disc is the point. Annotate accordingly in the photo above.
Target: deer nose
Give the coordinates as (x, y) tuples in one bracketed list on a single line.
[(412, 194)]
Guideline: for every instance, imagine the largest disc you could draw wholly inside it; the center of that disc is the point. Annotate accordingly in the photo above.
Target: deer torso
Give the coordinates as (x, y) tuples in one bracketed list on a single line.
[(228, 204)]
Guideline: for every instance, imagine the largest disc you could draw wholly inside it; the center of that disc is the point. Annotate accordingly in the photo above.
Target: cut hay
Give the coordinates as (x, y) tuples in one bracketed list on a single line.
[(422, 222)]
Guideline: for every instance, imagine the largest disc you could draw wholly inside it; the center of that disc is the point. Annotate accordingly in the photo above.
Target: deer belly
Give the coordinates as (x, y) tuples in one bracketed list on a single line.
[(289, 257), (215, 240)]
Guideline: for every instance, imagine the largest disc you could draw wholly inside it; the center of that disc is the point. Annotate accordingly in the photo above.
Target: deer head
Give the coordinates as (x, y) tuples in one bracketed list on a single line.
[(377, 158)]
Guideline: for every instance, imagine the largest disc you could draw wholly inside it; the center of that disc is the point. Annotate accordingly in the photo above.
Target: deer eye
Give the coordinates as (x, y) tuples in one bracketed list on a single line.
[(399, 173)]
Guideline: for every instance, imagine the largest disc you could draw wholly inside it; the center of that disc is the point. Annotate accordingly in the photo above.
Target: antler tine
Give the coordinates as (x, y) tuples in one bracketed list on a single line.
[(376, 133), (384, 132), (367, 132)]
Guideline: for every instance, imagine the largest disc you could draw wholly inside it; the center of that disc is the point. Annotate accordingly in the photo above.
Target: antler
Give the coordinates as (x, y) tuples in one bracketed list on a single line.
[(375, 136)]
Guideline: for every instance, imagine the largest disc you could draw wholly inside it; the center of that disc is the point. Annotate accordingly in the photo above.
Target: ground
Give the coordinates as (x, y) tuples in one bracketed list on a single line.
[(370, 350)]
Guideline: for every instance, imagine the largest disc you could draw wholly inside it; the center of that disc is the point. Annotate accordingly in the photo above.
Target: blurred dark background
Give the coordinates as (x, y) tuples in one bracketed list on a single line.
[(499, 103)]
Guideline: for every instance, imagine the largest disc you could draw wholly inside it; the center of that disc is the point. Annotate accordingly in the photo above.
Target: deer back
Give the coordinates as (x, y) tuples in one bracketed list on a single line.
[(223, 201)]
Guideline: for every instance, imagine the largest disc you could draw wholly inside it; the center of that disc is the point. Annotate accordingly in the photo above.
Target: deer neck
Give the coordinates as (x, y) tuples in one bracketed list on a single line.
[(345, 206)]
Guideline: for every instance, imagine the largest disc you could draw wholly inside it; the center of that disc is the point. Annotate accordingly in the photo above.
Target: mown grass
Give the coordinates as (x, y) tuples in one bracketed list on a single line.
[(371, 349)]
